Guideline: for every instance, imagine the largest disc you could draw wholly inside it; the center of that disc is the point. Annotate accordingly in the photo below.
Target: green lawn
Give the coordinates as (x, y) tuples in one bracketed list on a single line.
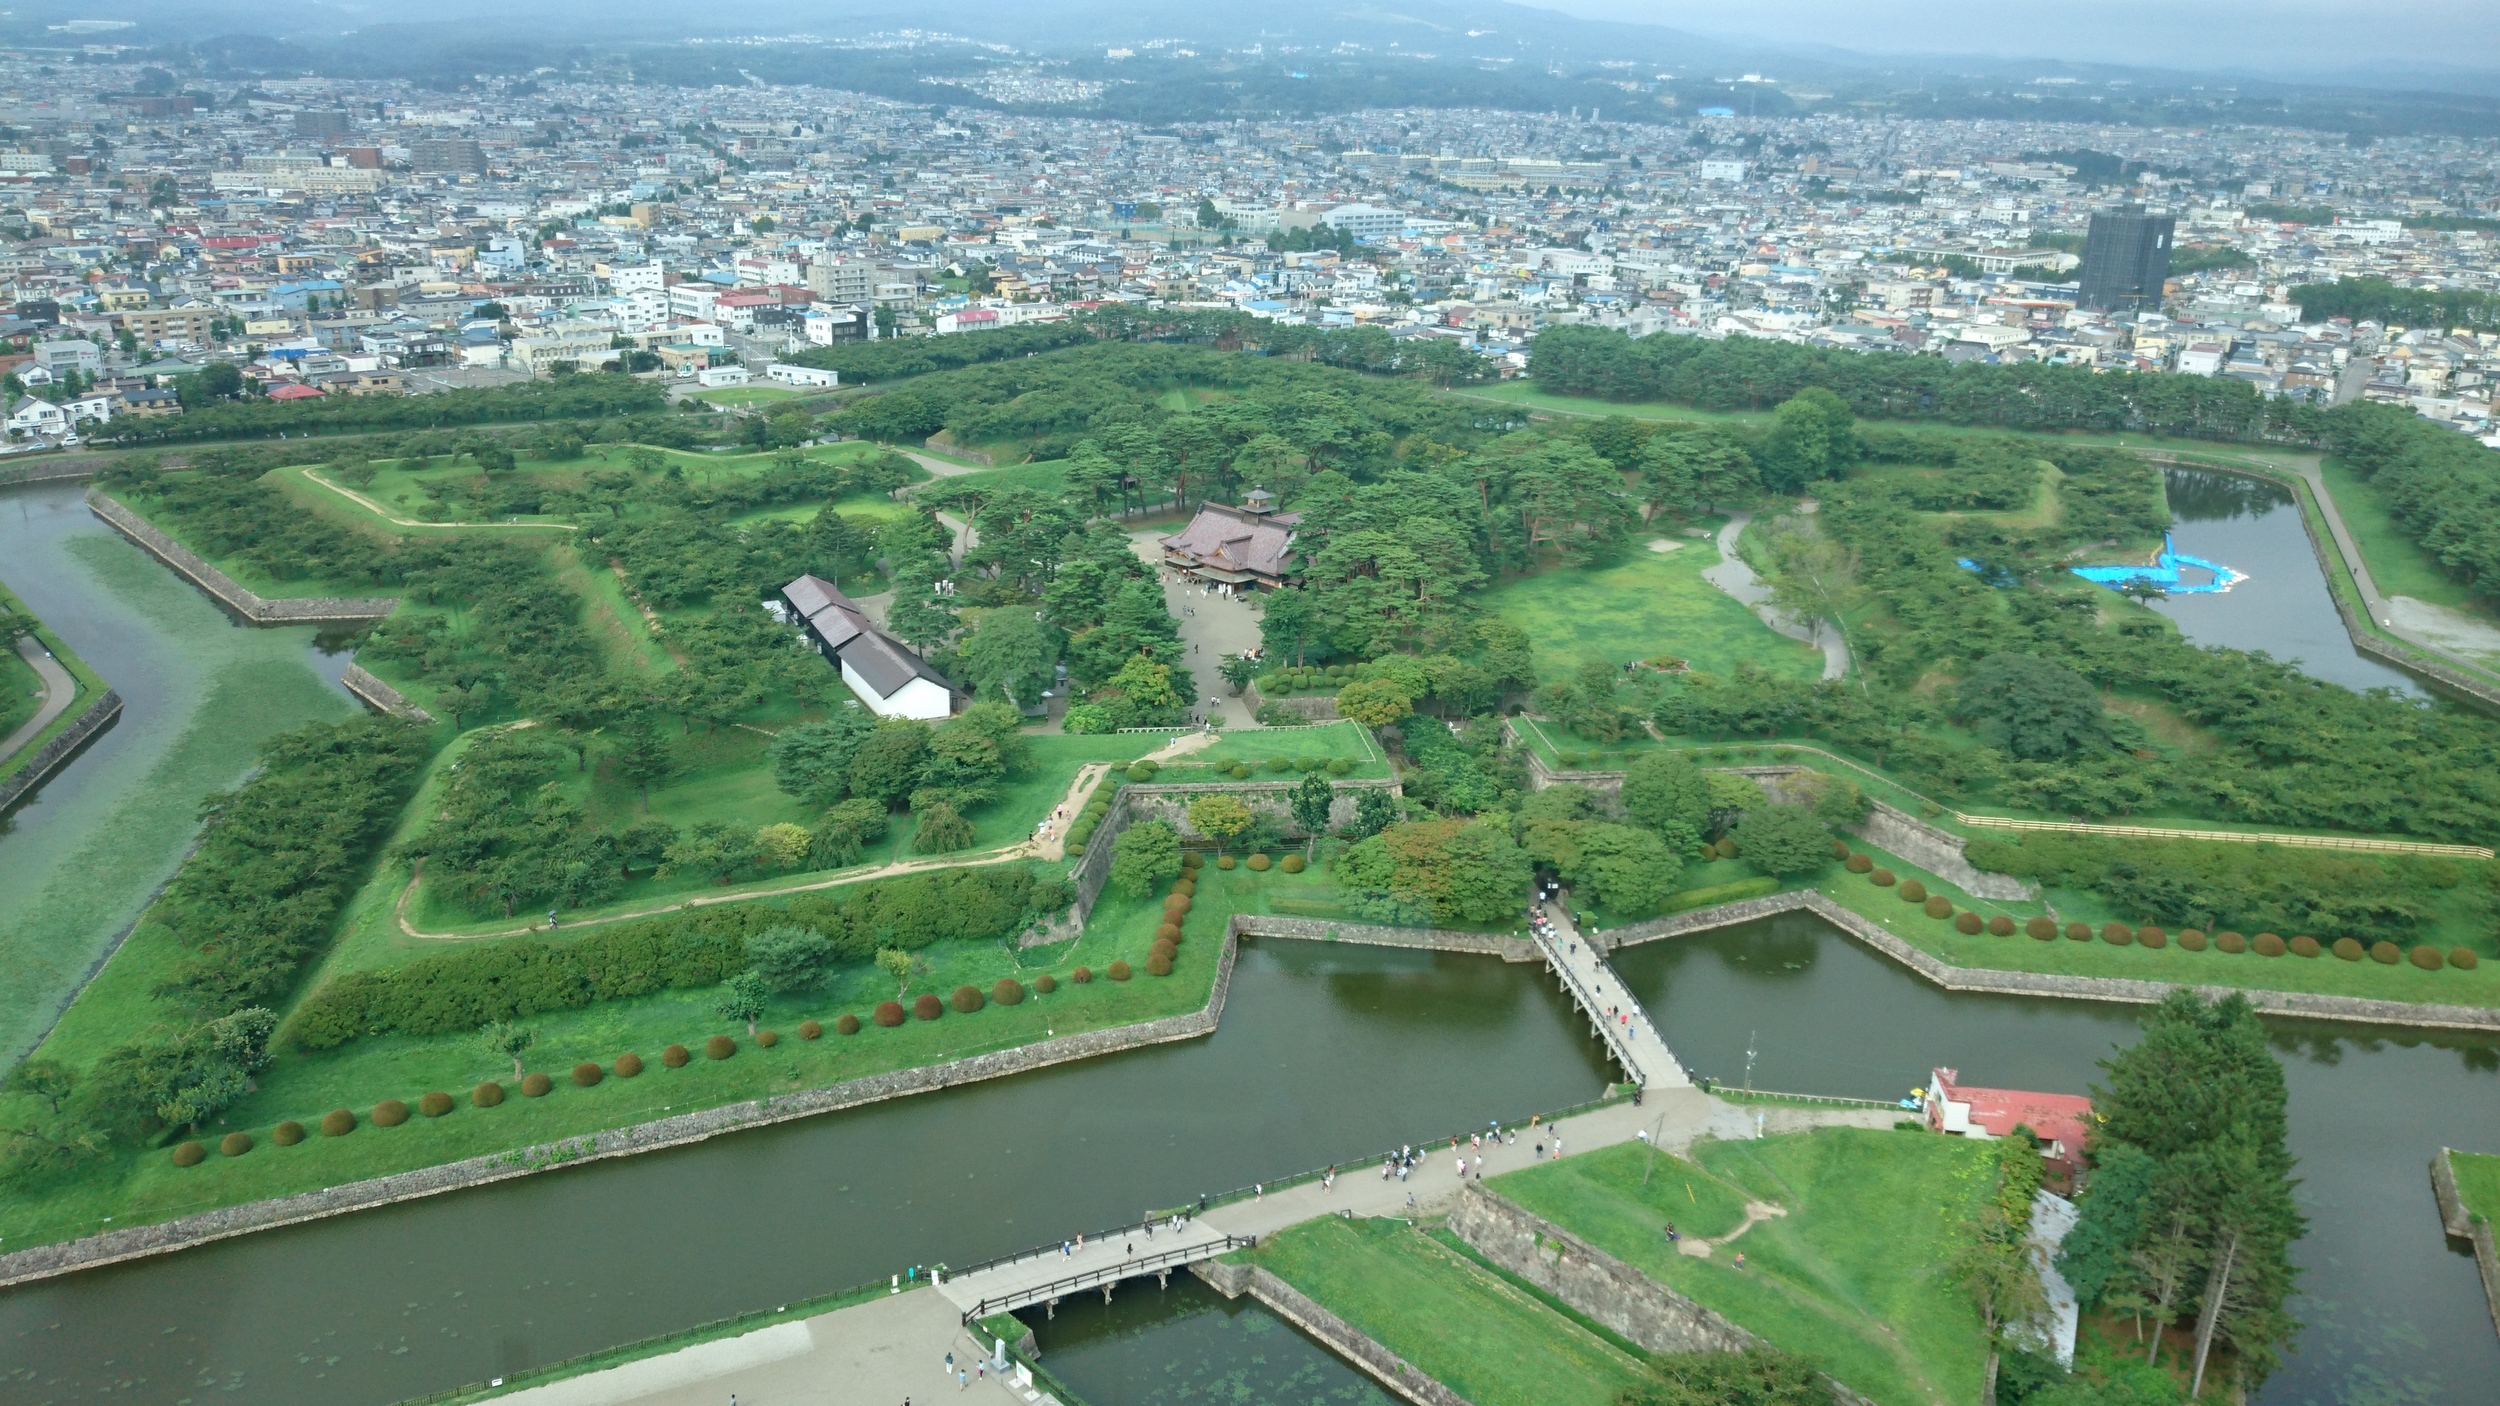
[(19, 683), (1049, 477), (2398, 563), (1461, 1324), (1349, 740), (302, 1086), (1654, 604), (2326, 974), (1851, 1277), (2478, 1183)]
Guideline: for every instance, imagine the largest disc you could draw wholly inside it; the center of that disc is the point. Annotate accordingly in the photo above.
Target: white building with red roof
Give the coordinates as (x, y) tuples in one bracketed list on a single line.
[(2062, 1122)]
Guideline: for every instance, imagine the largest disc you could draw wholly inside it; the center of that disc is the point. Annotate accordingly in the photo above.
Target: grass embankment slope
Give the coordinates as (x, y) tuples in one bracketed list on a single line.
[(1468, 1327), (301, 1086), (1652, 604), (1852, 1277), (20, 686), (2478, 1183)]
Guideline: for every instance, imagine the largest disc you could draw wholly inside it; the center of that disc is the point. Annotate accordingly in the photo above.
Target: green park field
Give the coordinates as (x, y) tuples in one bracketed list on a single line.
[(1850, 1277), (1464, 1325), (1654, 604)]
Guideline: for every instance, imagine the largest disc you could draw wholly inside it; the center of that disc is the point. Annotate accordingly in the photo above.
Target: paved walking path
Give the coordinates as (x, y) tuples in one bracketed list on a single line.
[(1735, 577), (876, 1353), (58, 691), (1212, 626), (1601, 995)]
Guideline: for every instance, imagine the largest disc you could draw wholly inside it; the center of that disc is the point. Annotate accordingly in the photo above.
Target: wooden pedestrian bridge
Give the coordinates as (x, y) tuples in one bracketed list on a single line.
[(1048, 1274)]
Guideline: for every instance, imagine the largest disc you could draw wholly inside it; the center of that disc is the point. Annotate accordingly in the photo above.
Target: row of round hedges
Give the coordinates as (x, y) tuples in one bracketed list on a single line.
[(390, 1113), (2116, 934)]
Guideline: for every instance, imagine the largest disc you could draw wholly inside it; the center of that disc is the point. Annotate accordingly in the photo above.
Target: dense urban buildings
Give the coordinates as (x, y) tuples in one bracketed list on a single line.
[(319, 232)]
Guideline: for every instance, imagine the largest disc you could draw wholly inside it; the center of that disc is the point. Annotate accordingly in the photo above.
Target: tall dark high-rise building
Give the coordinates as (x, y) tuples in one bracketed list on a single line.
[(2126, 258)]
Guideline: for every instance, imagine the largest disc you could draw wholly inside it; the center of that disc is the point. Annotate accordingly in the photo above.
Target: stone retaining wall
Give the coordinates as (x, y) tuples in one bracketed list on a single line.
[(2461, 1226), (50, 470), (316, 610), (139, 1242), (55, 754), (1939, 852), (1400, 1376), (2356, 1009), (381, 695), (1595, 1283), (1488, 944)]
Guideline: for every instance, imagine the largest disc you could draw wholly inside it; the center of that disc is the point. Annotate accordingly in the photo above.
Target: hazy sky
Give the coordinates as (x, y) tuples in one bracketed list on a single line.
[(2286, 36)]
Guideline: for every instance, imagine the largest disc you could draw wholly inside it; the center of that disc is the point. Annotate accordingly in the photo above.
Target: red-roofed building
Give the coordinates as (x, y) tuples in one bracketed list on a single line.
[(2061, 1121)]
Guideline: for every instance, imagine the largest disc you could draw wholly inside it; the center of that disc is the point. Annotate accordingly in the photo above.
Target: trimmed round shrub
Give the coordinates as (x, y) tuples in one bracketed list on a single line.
[(2152, 937), (969, 999), (1079, 835), (287, 1134), (1176, 905), (1937, 907), (1279, 764), (486, 1095), (1340, 766), (1881, 878), (189, 1154), (889, 1013), (1912, 891), (2349, 949), (719, 1047), (2463, 959), (1726, 847), (1160, 964), (1007, 991), (1045, 983), (1118, 971), (846, 1024), (235, 1144), (1239, 771), (1292, 864), (1168, 932), (1840, 850), (927, 1006), (588, 1073), (338, 1122), (675, 1056), (1141, 771), (1260, 863), (2000, 926), (2230, 943), (1226, 861), (536, 1084), (1967, 923), (1191, 862), (628, 1065), (434, 1103), (2078, 932), (768, 1038), (1081, 975), (1186, 885), (389, 1113), (2427, 957), (2193, 940), (2117, 934), (2306, 946), (810, 1030), (2041, 928), (1162, 949), (2267, 944), (2386, 954), (1858, 864)]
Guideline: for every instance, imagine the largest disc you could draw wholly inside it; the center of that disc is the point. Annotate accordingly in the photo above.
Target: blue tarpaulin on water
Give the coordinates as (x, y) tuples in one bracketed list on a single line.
[(2164, 572)]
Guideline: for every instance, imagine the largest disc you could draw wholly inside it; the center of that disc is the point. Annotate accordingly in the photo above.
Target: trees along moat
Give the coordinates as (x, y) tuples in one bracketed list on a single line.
[(1325, 1053)]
